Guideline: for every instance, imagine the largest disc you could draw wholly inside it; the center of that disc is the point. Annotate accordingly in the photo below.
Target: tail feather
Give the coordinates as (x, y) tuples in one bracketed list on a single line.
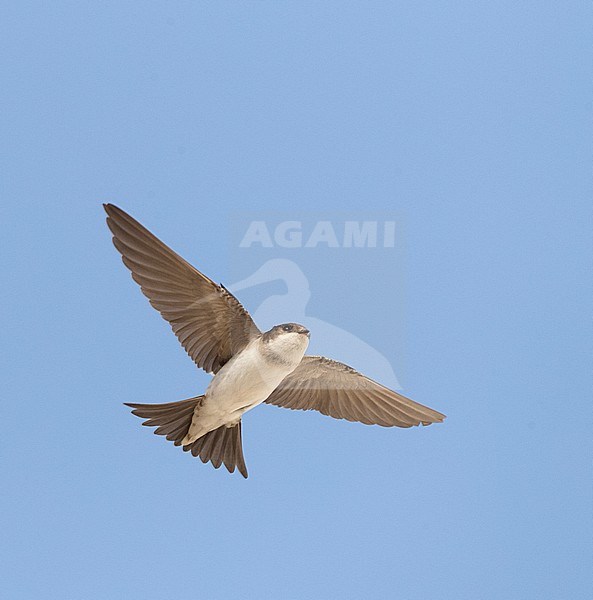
[(173, 419), (223, 445)]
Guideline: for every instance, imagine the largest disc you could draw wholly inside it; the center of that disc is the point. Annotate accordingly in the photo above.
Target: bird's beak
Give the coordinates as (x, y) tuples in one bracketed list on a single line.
[(306, 332)]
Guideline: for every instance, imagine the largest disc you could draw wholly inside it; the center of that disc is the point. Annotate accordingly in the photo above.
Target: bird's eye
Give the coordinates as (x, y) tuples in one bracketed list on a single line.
[(287, 327)]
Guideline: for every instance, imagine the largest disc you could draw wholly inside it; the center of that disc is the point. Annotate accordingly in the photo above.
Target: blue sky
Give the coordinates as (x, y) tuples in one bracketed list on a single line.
[(471, 121)]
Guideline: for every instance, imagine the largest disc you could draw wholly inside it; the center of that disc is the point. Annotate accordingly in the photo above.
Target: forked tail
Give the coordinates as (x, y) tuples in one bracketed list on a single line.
[(222, 445)]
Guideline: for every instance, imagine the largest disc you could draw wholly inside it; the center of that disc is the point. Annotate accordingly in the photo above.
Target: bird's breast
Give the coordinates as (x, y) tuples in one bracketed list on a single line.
[(246, 380)]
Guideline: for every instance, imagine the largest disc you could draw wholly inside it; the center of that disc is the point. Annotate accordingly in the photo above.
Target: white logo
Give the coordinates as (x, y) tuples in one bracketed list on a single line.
[(326, 339), (347, 234)]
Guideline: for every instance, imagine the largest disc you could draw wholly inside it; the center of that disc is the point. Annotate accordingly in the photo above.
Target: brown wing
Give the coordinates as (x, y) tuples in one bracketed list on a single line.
[(337, 390), (207, 319)]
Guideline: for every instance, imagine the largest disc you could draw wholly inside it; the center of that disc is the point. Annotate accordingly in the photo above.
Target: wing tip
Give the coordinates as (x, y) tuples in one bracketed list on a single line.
[(114, 212), (439, 418), (110, 208)]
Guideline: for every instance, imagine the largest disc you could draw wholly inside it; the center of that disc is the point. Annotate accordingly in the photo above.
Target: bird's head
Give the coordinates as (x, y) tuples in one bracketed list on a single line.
[(287, 339)]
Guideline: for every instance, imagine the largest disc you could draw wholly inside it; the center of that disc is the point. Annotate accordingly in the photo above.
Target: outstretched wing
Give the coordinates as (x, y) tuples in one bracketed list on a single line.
[(337, 390), (207, 319)]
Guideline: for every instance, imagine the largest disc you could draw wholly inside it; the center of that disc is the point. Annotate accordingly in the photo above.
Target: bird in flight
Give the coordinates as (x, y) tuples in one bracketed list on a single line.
[(249, 367)]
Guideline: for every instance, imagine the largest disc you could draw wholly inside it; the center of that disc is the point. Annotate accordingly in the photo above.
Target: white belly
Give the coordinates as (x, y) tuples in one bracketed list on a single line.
[(243, 383), (246, 381)]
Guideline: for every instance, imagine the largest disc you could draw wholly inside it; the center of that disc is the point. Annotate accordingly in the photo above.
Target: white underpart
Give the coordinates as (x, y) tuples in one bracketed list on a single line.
[(246, 381)]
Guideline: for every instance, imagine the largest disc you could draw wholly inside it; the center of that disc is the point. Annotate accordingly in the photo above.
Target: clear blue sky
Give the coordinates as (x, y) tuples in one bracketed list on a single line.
[(471, 120)]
